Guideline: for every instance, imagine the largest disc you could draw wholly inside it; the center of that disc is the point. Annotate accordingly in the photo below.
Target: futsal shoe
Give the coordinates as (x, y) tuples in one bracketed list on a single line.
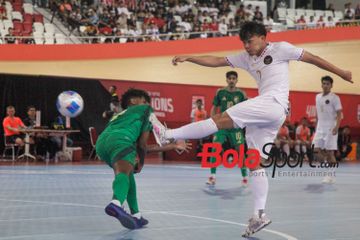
[(140, 222), (211, 181), (256, 223), (158, 130), (116, 211), (328, 180)]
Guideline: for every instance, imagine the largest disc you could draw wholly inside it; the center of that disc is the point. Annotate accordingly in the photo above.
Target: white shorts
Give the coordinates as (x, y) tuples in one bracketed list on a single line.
[(262, 116), (324, 139)]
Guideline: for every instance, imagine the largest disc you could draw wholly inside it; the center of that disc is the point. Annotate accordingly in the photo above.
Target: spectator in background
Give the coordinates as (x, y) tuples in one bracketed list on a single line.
[(198, 113), (283, 141), (3, 11), (10, 37), (344, 144), (114, 103), (301, 23), (59, 124), (268, 22), (311, 23), (349, 11), (258, 15), (223, 28), (12, 127), (320, 22), (357, 12), (330, 22), (303, 138), (331, 8)]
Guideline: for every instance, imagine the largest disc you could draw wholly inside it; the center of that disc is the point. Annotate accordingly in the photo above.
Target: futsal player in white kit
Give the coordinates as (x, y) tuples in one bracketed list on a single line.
[(263, 115), (328, 114)]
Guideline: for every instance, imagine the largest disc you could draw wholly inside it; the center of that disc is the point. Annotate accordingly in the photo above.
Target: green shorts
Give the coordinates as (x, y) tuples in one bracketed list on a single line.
[(111, 148), (234, 137)]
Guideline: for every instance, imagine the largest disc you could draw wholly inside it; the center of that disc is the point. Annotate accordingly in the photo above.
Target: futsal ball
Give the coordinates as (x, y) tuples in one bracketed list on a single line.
[(70, 104)]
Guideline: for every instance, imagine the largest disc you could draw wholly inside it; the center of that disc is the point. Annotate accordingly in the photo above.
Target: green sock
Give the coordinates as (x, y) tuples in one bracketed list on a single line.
[(121, 187), (244, 172), (131, 197)]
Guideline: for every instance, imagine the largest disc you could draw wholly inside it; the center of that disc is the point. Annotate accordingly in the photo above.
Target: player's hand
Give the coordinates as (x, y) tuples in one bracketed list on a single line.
[(335, 131), (179, 59), (138, 167), (347, 76), (182, 145)]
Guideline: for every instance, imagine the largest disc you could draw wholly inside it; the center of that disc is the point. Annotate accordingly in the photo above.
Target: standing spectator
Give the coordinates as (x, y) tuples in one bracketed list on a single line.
[(198, 113), (12, 126), (344, 144), (357, 12)]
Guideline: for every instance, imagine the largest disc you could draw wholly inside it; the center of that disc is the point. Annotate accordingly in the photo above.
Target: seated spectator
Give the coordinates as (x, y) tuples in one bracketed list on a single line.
[(3, 11), (12, 127), (330, 22), (320, 22), (268, 22), (357, 12), (10, 37), (42, 143), (59, 124), (344, 144), (223, 28), (301, 23), (311, 23), (303, 139), (258, 15), (283, 141)]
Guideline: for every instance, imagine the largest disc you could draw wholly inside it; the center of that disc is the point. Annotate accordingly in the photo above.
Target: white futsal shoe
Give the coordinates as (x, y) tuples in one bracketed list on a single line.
[(256, 223), (158, 130), (328, 180)]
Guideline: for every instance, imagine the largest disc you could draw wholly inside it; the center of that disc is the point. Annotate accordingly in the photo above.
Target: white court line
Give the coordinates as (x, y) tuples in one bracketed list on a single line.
[(281, 234)]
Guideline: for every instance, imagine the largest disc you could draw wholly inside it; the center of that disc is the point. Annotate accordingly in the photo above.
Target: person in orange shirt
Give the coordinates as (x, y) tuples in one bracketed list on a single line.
[(303, 138), (198, 113), (12, 126), (283, 140)]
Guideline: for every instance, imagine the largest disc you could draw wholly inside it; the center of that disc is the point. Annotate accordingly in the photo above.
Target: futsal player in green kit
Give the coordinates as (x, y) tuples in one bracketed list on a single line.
[(123, 139), (224, 99)]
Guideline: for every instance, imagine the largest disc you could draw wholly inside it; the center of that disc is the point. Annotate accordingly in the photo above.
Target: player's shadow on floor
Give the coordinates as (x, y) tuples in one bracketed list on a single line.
[(319, 188), (122, 235), (227, 194)]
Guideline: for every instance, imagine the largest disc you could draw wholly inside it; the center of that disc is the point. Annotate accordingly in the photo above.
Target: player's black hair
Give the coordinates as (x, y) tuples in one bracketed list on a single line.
[(199, 100), (327, 79), (228, 74), (250, 29), (133, 93)]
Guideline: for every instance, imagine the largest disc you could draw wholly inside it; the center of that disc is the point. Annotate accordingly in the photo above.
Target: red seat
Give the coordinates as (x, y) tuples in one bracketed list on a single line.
[(28, 18), (17, 7), (93, 139), (27, 27), (18, 26), (38, 18)]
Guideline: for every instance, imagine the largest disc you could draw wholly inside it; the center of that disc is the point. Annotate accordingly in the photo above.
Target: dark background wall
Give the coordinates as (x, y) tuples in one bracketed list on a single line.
[(42, 92)]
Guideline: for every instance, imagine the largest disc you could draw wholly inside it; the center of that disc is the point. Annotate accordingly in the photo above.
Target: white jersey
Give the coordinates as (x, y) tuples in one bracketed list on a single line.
[(326, 108), (270, 69)]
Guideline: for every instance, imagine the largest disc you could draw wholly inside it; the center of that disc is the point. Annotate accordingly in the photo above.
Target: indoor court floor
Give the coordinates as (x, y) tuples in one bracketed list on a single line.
[(67, 201)]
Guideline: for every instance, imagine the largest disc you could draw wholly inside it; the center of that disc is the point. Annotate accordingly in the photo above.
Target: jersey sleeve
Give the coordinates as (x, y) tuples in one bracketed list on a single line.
[(216, 101), (238, 60), (337, 103), (289, 52)]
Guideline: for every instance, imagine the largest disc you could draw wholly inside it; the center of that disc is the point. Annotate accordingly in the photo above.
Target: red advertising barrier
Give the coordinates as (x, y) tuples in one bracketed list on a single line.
[(173, 102), (18, 52)]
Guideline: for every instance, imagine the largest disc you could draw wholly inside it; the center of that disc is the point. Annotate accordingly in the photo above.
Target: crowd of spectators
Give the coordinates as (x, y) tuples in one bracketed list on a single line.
[(155, 20)]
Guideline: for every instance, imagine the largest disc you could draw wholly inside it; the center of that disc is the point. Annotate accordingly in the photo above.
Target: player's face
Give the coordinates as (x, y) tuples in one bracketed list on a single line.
[(255, 45), (231, 81), (326, 86)]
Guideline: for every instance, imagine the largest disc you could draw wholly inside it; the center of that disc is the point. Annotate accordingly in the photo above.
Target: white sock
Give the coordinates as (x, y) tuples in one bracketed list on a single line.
[(259, 187), (195, 130), (116, 202), (137, 215)]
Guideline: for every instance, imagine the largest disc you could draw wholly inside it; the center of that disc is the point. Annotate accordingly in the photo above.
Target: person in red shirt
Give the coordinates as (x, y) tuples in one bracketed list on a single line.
[(12, 127), (198, 113), (303, 138)]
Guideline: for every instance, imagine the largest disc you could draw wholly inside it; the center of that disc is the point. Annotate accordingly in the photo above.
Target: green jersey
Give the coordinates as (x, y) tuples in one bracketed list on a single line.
[(226, 99), (130, 123)]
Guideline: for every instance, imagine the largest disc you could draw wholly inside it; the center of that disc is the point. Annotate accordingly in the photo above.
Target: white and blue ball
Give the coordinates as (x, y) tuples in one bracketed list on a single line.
[(70, 104)]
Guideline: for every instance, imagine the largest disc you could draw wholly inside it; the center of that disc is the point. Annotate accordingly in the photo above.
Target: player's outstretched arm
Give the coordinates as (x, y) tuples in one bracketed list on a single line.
[(323, 64), (207, 61)]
